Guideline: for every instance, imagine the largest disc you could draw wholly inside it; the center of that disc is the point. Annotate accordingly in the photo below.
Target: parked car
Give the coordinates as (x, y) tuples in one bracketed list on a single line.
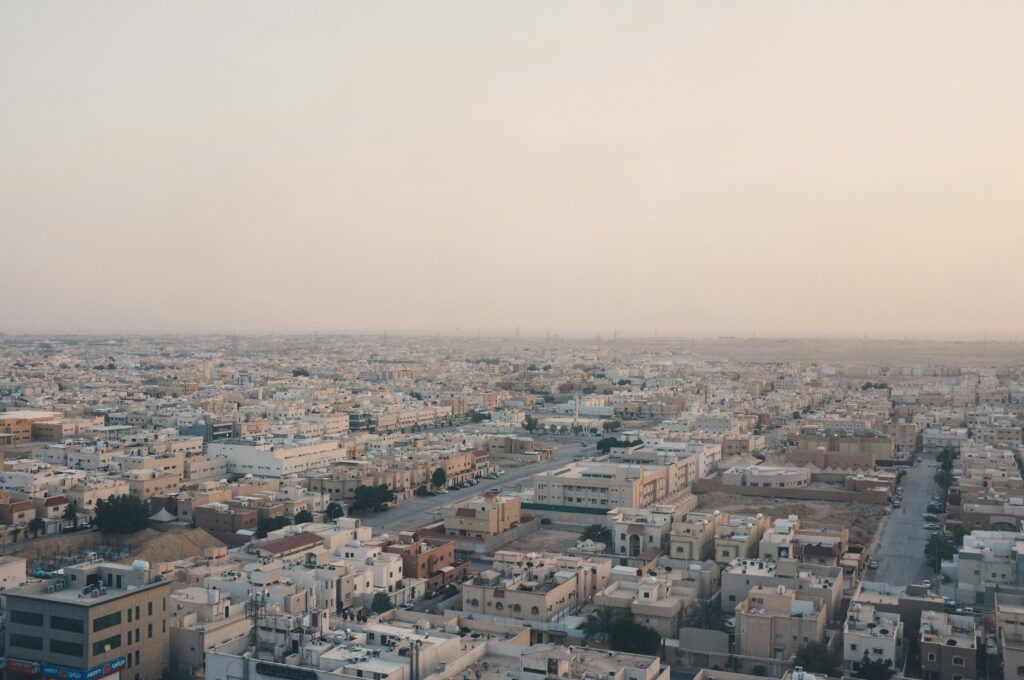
[(964, 610), (932, 526), (873, 564), (926, 583), (407, 606)]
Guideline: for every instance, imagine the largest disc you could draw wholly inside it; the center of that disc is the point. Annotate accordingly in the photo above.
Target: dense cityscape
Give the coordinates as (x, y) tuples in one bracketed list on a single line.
[(425, 508)]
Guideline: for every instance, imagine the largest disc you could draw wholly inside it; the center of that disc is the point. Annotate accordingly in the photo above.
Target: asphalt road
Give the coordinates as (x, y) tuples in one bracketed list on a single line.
[(900, 553), (418, 511)]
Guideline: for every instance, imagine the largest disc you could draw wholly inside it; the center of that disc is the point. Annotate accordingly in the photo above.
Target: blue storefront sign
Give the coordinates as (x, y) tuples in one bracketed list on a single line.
[(50, 670)]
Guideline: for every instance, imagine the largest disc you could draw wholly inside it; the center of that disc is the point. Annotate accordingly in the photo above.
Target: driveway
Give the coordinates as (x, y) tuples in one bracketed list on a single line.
[(900, 552)]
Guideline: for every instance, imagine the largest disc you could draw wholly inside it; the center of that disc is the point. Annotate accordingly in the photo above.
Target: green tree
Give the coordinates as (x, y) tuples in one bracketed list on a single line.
[(334, 510), (818, 658), (944, 478), (439, 478), (121, 515), (303, 517), (530, 424), (422, 490), (939, 547), (874, 669), (478, 417), (70, 515), (300, 372), (364, 498), (267, 524), (635, 638), (598, 533), (605, 445), (599, 623), (35, 525), (381, 603), (610, 425), (759, 670), (707, 614)]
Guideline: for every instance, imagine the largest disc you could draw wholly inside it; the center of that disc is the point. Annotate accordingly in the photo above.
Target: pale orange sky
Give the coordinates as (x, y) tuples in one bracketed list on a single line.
[(782, 168)]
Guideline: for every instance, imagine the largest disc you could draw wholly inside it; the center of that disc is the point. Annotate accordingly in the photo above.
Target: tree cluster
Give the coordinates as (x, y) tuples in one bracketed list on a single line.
[(121, 515), (372, 497)]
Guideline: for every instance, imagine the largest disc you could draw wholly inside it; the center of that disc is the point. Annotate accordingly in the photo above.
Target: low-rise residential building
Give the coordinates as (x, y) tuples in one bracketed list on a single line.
[(823, 582), (534, 586), (948, 647), (635, 530), (870, 635), (693, 536), (740, 536), (774, 623)]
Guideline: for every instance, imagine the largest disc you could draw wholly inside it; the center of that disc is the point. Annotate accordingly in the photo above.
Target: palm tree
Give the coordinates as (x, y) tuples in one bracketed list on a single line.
[(35, 525), (599, 624), (597, 533), (71, 515), (707, 614)]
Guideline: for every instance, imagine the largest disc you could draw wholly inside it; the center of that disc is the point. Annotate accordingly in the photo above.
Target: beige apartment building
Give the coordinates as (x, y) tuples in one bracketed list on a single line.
[(482, 517), (739, 536), (840, 447), (744, 575), (534, 586), (19, 424), (1010, 632), (773, 623), (99, 619), (589, 486), (200, 620), (85, 494), (693, 537)]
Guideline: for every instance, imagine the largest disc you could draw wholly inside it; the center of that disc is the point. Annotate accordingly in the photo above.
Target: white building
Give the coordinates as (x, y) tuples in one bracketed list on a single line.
[(276, 458)]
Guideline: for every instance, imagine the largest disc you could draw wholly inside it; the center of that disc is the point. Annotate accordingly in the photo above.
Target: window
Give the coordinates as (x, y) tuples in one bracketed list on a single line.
[(534, 610), (149, 630), (26, 618), (129, 614), (103, 622), (958, 661), (26, 641), (499, 606), (149, 608), (70, 625), (104, 646), (931, 656), (67, 648), (853, 648)]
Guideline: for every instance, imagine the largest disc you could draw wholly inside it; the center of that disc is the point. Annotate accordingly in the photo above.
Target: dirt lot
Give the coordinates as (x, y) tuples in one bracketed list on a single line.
[(544, 540), (862, 518), (148, 544)]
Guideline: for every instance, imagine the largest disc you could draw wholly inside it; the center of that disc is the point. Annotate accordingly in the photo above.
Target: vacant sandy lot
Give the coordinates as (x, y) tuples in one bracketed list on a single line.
[(544, 540), (862, 518)]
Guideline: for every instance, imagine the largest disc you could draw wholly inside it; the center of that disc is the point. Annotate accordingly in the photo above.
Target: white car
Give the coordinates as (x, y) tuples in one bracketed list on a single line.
[(926, 583)]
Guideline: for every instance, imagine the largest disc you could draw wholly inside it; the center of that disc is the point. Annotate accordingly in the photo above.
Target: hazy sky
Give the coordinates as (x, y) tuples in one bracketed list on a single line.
[(691, 167)]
